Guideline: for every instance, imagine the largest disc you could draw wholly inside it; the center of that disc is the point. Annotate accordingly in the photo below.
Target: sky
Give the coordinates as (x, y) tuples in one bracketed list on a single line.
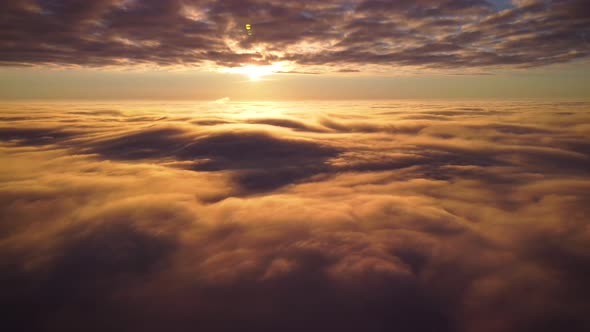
[(264, 166), (338, 49)]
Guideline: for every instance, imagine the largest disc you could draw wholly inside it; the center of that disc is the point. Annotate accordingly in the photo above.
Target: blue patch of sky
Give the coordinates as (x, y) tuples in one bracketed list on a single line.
[(502, 4)]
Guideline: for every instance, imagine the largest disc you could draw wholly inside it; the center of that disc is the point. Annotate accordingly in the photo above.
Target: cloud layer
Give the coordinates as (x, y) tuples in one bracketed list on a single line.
[(335, 35), (294, 216)]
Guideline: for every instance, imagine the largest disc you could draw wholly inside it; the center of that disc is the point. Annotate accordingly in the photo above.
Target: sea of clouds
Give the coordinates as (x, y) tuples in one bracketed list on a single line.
[(324, 216)]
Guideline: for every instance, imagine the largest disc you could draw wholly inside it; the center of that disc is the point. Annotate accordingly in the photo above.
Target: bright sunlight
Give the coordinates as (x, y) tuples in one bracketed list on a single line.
[(256, 73)]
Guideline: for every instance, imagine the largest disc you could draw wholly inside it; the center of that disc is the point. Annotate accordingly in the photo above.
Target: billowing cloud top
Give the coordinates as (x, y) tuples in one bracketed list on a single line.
[(265, 217), (335, 35)]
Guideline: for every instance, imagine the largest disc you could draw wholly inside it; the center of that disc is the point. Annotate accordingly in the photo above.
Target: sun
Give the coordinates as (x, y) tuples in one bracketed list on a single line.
[(256, 73)]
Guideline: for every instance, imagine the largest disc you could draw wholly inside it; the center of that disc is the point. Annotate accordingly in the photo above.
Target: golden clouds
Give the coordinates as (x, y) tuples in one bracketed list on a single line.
[(293, 216)]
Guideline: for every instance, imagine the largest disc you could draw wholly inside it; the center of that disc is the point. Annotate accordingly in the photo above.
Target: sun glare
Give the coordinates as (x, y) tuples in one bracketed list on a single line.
[(256, 73)]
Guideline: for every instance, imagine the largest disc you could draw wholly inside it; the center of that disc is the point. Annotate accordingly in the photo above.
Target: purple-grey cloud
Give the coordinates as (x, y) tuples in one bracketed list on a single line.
[(338, 33)]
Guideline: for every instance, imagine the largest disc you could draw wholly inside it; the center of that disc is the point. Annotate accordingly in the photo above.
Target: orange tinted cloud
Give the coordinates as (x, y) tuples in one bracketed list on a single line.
[(278, 216), (326, 36)]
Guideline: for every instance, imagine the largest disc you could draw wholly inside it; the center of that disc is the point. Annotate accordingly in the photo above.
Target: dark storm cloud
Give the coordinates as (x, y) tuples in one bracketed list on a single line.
[(388, 216), (350, 34)]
